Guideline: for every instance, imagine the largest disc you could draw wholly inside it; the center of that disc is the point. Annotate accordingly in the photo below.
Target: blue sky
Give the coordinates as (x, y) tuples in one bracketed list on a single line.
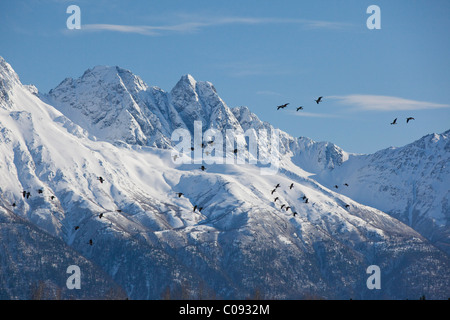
[(259, 54)]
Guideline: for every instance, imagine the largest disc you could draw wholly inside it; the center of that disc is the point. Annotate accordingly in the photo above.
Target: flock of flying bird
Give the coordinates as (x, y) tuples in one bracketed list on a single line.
[(27, 194), (304, 198), (319, 100)]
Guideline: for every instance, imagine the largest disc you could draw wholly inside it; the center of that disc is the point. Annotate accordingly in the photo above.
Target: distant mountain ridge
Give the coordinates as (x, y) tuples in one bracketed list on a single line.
[(411, 183)]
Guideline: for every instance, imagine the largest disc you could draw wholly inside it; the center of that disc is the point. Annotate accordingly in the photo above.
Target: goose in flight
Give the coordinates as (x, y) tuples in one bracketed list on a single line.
[(395, 121), (409, 119), (318, 100), (282, 106)]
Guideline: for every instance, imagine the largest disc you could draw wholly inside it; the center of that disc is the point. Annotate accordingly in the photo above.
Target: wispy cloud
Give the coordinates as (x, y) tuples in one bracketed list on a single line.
[(385, 103), (143, 30), (196, 24), (312, 114)]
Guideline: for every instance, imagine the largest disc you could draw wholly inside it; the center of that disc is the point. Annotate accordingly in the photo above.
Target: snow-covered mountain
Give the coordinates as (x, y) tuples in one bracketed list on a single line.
[(114, 105), (149, 240), (410, 183)]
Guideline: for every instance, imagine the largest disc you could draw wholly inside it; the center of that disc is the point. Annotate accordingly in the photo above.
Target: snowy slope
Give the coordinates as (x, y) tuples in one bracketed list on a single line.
[(150, 241)]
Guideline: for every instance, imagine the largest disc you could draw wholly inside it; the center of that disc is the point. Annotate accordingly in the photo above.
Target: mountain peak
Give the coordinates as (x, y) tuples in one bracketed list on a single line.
[(107, 75), (7, 73), (189, 79), (8, 80), (186, 83)]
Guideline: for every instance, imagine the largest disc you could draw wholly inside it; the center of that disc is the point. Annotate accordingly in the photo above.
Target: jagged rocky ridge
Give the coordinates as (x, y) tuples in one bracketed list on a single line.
[(149, 241)]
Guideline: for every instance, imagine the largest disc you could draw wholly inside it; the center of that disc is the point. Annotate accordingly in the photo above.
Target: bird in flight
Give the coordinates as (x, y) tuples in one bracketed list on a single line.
[(283, 206), (277, 186), (409, 119), (100, 179), (291, 186), (299, 108), (395, 121), (346, 184), (276, 199), (203, 168), (282, 106), (318, 100), (273, 191), (179, 194)]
